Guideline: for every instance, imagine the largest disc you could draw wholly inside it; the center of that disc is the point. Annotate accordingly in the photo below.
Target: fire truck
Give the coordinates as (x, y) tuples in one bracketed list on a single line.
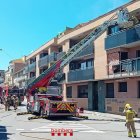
[(50, 101), (7, 90)]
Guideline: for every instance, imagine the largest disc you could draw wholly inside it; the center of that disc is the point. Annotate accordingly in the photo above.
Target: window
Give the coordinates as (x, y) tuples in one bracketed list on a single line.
[(89, 63), (60, 49), (83, 66), (69, 92), (32, 74), (122, 86), (110, 90), (83, 91), (32, 60), (43, 54), (138, 53), (124, 55)]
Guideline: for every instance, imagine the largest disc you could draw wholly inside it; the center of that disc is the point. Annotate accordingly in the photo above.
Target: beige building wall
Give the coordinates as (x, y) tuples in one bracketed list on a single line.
[(82, 102), (100, 58), (37, 67), (116, 105), (65, 48)]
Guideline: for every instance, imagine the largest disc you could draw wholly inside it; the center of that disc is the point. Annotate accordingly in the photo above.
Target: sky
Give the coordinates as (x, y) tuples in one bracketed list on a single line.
[(25, 25)]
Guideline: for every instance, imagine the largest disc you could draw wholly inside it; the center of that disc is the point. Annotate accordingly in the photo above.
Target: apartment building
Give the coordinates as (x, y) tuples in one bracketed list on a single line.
[(99, 78), (20, 78), (117, 65), (14, 66), (2, 76)]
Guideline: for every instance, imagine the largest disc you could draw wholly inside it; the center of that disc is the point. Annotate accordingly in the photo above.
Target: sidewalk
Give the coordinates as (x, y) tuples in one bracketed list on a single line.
[(105, 116)]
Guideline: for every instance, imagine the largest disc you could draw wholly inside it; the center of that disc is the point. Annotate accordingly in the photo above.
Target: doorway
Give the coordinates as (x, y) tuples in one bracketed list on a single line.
[(138, 89), (110, 90), (95, 96)]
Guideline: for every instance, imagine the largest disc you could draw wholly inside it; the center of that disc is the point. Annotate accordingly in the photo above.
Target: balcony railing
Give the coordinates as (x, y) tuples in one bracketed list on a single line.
[(122, 38), (44, 61), (129, 67), (60, 54), (30, 80), (32, 67), (21, 78), (52, 57), (26, 69), (78, 75), (87, 51)]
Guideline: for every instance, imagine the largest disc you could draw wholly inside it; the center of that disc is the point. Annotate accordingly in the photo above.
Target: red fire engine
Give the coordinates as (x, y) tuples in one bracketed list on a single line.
[(47, 100)]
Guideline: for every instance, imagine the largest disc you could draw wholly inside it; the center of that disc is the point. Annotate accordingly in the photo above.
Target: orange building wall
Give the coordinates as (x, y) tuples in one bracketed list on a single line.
[(117, 105), (100, 58), (132, 90), (82, 102)]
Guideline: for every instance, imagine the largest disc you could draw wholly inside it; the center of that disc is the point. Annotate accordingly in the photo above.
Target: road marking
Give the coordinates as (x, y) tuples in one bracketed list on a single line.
[(74, 126), (7, 133), (19, 129), (92, 131)]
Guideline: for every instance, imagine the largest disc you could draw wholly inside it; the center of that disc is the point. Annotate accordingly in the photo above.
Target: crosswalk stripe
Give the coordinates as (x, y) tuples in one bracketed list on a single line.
[(93, 131)]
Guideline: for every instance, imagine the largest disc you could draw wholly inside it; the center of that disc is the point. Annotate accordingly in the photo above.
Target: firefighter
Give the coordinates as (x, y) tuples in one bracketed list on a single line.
[(7, 101), (15, 102), (130, 114)]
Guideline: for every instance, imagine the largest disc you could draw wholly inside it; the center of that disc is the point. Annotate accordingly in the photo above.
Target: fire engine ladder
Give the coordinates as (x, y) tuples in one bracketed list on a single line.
[(79, 47)]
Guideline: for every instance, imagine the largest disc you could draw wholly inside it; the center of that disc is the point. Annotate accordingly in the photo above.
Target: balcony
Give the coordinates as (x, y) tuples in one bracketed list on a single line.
[(79, 75), (32, 67), (123, 38), (129, 67), (21, 78), (26, 69), (30, 80), (44, 61), (60, 54), (52, 57), (87, 51)]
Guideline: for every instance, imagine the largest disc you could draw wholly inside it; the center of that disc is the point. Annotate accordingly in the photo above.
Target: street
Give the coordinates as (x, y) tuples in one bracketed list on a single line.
[(13, 127)]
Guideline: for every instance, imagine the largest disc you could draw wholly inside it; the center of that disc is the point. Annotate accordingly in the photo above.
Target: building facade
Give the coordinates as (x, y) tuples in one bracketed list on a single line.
[(105, 75), (20, 78), (14, 67), (2, 76)]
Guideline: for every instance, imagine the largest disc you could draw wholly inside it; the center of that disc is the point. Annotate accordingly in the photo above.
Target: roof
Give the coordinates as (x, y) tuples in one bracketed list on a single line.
[(20, 60)]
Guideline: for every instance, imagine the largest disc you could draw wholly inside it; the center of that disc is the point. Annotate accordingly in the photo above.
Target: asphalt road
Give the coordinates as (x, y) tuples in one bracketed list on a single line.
[(13, 127)]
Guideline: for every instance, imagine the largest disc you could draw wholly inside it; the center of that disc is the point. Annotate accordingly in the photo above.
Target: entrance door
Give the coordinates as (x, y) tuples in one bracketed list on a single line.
[(138, 89), (110, 90), (95, 96)]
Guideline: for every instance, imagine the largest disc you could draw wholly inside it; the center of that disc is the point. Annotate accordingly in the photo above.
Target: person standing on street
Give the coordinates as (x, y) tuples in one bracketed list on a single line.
[(130, 114), (15, 102), (7, 101)]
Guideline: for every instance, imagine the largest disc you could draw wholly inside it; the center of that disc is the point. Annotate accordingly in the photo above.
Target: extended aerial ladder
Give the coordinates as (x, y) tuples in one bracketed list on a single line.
[(121, 18)]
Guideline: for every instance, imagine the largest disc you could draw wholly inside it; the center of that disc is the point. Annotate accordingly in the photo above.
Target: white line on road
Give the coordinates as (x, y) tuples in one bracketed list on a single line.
[(92, 131), (19, 129)]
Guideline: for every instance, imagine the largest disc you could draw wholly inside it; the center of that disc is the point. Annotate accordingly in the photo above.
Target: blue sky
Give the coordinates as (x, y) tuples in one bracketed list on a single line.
[(25, 25)]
